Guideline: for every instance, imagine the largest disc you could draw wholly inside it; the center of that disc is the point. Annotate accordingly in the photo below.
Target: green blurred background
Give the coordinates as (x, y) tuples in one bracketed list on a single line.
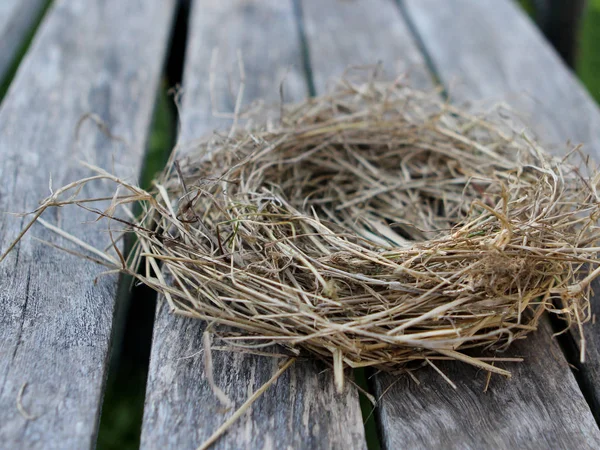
[(587, 60), (120, 427)]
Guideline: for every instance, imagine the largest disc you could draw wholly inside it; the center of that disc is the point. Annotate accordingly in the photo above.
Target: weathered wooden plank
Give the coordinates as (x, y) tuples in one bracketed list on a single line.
[(427, 416), (342, 35), (302, 409), (16, 19), (539, 407), (55, 316), (506, 57)]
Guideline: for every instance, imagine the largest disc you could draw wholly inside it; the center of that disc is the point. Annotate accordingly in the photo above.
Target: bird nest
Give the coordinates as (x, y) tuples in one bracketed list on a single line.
[(374, 226)]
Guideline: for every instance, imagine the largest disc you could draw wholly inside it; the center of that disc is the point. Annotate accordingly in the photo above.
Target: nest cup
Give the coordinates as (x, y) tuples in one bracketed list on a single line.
[(373, 226)]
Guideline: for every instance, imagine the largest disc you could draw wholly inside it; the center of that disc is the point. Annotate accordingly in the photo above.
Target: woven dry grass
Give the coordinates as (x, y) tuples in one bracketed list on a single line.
[(374, 226)]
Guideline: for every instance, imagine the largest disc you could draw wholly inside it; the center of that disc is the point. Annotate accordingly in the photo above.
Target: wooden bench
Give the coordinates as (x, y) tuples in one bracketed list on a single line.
[(57, 312)]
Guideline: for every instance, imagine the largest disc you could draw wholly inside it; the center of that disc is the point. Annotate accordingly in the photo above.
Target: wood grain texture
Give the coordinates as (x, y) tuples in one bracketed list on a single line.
[(55, 314), (302, 409), (433, 415), (16, 19), (354, 33), (589, 371), (539, 407)]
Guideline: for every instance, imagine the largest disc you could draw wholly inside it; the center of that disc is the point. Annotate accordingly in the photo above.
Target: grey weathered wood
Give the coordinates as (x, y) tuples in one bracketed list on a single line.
[(433, 415), (350, 34), (539, 407), (589, 371), (55, 317), (302, 409), (16, 19)]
